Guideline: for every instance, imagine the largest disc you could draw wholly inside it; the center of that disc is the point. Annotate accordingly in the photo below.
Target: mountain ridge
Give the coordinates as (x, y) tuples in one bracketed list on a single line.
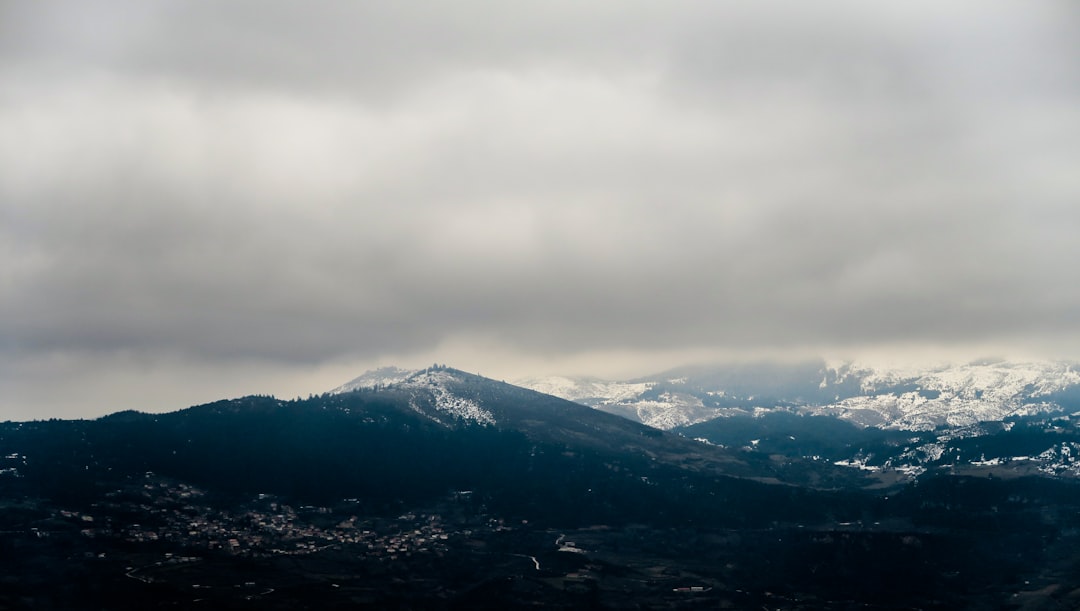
[(913, 398), (452, 397)]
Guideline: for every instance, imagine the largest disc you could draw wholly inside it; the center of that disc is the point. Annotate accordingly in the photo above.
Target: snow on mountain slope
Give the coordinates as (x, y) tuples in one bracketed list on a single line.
[(957, 395), (908, 398), (671, 410), (585, 389), (431, 393), (969, 379), (435, 385), (633, 400)]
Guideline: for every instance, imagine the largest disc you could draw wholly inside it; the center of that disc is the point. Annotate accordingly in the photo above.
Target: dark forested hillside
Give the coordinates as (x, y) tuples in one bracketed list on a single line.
[(367, 445)]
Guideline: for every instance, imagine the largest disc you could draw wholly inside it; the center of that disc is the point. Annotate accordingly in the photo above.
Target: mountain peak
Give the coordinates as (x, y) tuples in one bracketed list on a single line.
[(383, 376), (391, 375), (433, 392)]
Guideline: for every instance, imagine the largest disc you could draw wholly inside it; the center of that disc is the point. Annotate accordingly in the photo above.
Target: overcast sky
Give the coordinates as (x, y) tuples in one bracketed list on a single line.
[(201, 200)]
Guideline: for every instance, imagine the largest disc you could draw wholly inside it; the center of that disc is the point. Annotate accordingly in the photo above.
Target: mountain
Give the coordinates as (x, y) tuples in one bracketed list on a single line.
[(454, 398), (1016, 417), (435, 430), (1007, 415), (441, 489), (914, 399)]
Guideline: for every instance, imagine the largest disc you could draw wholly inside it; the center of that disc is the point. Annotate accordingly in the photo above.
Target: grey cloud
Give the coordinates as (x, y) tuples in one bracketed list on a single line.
[(263, 182)]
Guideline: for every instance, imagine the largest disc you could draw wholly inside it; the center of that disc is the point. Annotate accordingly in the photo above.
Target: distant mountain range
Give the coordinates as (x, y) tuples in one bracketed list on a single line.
[(914, 398), (1017, 417), (453, 398)]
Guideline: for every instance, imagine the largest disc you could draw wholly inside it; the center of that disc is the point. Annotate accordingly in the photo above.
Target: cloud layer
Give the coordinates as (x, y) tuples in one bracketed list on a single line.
[(259, 186)]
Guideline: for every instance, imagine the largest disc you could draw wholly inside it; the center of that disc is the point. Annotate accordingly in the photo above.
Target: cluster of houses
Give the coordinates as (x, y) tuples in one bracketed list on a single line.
[(175, 512)]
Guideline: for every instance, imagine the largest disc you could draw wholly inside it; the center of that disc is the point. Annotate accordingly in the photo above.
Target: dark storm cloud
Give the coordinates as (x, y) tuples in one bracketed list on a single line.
[(253, 182)]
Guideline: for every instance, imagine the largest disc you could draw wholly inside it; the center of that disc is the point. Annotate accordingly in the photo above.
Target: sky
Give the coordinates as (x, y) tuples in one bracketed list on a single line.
[(201, 200)]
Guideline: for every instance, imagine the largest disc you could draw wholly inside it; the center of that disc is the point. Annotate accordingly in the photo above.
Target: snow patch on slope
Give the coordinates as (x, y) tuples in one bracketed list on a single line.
[(429, 388), (586, 390), (445, 401), (666, 411)]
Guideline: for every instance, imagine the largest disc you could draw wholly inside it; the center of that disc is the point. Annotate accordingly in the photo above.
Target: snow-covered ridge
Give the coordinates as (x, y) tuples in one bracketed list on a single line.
[(891, 396), (671, 410), (958, 395), (909, 398), (584, 389), (666, 410), (427, 387), (1001, 378)]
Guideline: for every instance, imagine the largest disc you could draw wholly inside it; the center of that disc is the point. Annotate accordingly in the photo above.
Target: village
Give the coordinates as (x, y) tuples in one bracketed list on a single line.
[(160, 531), (167, 513)]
